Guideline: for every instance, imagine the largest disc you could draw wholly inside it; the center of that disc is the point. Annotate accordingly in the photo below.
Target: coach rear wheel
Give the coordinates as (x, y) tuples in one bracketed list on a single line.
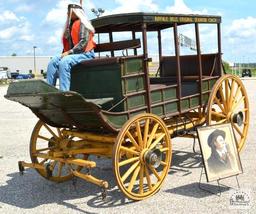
[(44, 140), (142, 156), (228, 103)]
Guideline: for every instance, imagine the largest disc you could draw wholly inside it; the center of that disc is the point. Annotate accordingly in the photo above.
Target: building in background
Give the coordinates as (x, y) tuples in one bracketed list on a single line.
[(245, 65), (25, 64)]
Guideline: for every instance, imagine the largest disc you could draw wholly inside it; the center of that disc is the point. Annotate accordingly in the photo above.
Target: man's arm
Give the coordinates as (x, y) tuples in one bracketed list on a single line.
[(84, 37)]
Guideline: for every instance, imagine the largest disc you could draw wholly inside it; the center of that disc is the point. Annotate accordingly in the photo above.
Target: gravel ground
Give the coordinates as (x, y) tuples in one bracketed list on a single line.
[(179, 194)]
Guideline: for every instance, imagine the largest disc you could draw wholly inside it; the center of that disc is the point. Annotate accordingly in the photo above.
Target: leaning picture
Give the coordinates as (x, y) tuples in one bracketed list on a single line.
[(219, 151)]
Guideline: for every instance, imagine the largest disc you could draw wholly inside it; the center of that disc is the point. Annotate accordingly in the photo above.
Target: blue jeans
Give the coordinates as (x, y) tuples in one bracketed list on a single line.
[(61, 67)]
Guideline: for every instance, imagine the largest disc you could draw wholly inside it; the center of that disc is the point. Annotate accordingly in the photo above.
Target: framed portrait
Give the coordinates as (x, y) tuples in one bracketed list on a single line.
[(219, 151)]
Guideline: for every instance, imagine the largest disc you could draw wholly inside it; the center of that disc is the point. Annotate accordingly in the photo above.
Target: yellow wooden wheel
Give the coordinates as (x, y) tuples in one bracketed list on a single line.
[(228, 103), (142, 156), (45, 139)]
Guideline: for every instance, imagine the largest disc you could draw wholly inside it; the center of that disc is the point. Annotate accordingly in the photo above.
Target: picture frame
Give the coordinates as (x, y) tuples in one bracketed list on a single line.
[(219, 151)]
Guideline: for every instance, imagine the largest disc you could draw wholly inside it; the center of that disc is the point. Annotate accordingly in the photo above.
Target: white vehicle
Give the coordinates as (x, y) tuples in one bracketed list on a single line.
[(3, 73)]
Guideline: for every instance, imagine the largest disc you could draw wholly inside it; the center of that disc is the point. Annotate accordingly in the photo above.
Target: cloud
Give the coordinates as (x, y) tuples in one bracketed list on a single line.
[(239, 39), (243, 28), (134, 6), (14, 28), (8, 33), (180, 7), (7, 16), (27, 38), (14, 33), (24, 8), (58, 14), (55, 39)]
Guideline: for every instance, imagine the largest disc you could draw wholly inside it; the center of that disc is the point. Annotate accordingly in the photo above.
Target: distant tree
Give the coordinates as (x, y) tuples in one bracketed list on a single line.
[(226, 66), (14, 54)]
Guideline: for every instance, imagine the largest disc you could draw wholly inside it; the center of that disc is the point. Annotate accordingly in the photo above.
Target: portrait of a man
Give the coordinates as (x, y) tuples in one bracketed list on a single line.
[(220, 155), (220, 158)]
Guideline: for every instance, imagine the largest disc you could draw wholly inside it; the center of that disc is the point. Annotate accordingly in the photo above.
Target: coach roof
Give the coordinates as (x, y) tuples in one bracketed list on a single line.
[(154, 21)]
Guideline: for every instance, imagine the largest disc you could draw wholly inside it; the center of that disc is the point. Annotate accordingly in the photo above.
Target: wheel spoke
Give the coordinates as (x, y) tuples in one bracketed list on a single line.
[(237, 92), (218, 114), (226, 91), (133, 141), (53, 164), (166, 149), (43, 149), (148, 178), (130, 160), (153, 145), (141, 190), (231, 92), (163, 163), (152, 135), (48, 128), (146, 128), (222, 98), (129, 150), (219, 104), (60, 169), (134, 177), (43, 161), (154, 172), (238, 130), (138, 130), (46, 139), (129, 171), (244, 110), (235, 105), (59, 132), (222, 121)]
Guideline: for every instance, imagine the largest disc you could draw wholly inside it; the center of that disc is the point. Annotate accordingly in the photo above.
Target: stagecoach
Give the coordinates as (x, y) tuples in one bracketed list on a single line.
[(117, 109)]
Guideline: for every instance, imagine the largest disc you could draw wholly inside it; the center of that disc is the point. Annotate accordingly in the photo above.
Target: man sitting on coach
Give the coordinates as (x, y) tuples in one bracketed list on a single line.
[(78, 45)]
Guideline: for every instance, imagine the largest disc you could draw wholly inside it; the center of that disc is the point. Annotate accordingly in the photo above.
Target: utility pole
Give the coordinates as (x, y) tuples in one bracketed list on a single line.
[(34, 47)]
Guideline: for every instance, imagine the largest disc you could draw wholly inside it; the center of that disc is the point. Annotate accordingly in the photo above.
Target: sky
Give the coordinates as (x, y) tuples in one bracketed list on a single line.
[(28, 23)]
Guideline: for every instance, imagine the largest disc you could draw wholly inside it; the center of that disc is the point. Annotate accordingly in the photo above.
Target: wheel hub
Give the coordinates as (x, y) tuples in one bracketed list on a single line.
[(52, 142), (64, 143), (238, 118), (153, 157)]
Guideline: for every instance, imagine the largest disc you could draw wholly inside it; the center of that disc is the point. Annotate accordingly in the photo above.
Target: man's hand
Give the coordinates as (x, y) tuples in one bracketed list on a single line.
[(64, 54)]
